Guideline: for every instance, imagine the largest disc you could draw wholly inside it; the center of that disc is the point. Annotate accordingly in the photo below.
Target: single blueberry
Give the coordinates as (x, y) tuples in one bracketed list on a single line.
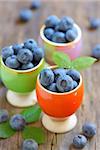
[(96, 51), (75, 84), (6, 52), (59, 37), (89, 129), (79, 141), (74, 74), (46, 77), (38, 54), (58, 72), (29, 144), (64, 83), (17, 47), (52, 21), (17, 122), (30, 44), (27, 66), (48, 32), (25, 56), (71, 35), (25, 15), (94, 23), (52, 87), (35, 4), (4, 116), (12, 62)]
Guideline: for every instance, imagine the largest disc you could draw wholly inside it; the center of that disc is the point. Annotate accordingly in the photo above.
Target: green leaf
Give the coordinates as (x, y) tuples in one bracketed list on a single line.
[(34, 133), (82, 63), (61, 60), (6, 131), (32, 114)]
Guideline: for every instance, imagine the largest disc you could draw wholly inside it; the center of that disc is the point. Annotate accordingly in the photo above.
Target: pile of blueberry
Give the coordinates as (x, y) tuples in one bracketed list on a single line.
[(60, 31), (22, 56), (59, 80)]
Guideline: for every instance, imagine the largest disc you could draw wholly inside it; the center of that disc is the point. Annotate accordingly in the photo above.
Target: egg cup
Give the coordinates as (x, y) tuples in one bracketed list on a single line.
[(59, 108), (20, 84), (73, 49)]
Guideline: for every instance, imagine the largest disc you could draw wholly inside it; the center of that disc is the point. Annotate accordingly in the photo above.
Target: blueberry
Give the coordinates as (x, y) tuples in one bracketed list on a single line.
[(79, 141), (25, 15), (59, 37), (48, 32), (58, 72), (4, 116), (96, 51), (71, 35), (25, 56), (46, 77), (30, 44), (74, 74), (89, 129), (65, 24), (38, 54), (52, 87), (29, 144), (64, 83), (94, 23), (52, 21), (27, 66), (17, 47), (35, 4), (6, 52), (17, 122), (75, 84), (12, 62)]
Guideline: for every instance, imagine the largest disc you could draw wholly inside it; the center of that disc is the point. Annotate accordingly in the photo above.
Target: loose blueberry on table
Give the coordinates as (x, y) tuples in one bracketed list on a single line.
[(25, 15), (96, 51), (59, 80), (22, 56), (60, 31), (4, 115), (29, 144)]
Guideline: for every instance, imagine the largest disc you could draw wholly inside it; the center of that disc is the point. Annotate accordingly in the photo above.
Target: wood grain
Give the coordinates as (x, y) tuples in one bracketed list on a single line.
[(11, 32)]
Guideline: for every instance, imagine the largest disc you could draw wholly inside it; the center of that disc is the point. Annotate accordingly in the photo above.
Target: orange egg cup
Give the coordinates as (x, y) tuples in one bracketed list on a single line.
[(59, 108)]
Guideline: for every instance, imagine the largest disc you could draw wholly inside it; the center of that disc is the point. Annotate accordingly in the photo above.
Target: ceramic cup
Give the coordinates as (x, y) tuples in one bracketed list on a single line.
[(73, 49), (59, 108), (20, 84)]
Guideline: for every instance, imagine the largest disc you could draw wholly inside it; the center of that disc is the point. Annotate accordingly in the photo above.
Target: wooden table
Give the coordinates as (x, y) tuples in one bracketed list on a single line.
[(12, 32)]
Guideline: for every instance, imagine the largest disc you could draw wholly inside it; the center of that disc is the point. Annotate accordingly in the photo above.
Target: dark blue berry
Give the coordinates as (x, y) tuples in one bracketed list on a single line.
[(27, 66), (6, 52), (94, 23), (17, 47), (74, 74), (38, 54), (79, 141), (58, 72), (17, 122), (64, 83), (52, 87), (25, 56), (48, 32), (4, 116), (75, 84), (96, 51), (35, 4), (71, 35), (89, 129), (29, 144), (25, 15), (12, 62), (52, 21), (46, 77), (30, 44), (59, 37)]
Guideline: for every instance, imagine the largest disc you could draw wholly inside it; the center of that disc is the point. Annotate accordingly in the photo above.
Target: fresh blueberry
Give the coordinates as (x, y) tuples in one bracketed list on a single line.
[(79, 141), (4, 116), (89, 129), (71, 35), (12, 62), (27, 66), (58, 72), (94, 23), (48, 32), (17, 122), (52, 87), (25, 56), (25, 15), (59, 37), (35, 4), (38, 54), (29, 144), (30, 44), (74, 74), (46, 77), (64, 83), (96, 51), (65, 24), (17, 47), (52, 21), (6, 52), (75, 84)]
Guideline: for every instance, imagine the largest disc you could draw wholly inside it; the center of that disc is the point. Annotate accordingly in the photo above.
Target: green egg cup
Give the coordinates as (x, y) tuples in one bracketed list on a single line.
[(20, 84)]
